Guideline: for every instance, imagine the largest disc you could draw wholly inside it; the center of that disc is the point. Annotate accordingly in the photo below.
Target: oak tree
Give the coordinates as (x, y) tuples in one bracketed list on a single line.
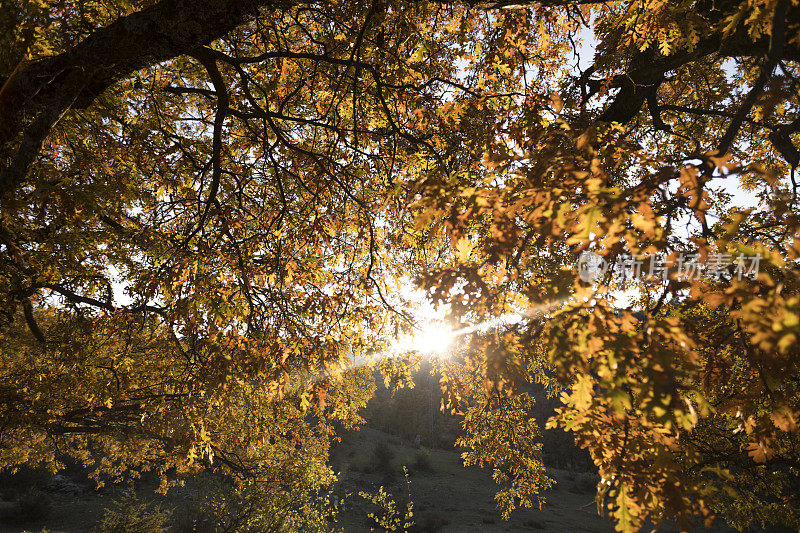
[(209, 209)]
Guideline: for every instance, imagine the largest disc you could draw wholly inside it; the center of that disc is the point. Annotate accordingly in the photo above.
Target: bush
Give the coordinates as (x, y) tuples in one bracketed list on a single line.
[(130, 515), (536, 524), (422, 461), (382, 457), (216, 504), (588, 482), (192, 517), (34, 505), (30, 506), (14, 486), (390, 515), (433, 522)]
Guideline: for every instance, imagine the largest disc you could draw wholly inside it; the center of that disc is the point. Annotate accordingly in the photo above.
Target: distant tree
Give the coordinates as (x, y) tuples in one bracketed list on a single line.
[(206, 208)]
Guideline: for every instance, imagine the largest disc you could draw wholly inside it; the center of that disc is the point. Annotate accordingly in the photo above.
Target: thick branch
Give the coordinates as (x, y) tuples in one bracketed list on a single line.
[(648, 69), (774, 54), (31, 321), (34, 98), (108, 306), (207, 60)]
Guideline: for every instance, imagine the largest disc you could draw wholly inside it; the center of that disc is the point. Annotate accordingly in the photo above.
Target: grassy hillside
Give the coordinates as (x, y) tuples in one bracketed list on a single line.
[(446, 496)]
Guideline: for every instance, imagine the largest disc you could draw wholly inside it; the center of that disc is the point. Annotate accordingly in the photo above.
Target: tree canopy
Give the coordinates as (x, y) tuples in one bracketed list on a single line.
[(209, 210)]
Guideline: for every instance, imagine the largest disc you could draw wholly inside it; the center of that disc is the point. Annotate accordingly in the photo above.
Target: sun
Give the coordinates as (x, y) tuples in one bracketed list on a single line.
[(432, 339)]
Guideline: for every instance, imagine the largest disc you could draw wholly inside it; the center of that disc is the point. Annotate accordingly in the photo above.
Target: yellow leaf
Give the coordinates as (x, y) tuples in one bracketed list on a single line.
[(463, 249)]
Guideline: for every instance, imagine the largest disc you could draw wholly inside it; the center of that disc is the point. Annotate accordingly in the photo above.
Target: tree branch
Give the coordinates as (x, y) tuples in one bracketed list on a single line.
[(774, 55), (31, 321), (34, 98)]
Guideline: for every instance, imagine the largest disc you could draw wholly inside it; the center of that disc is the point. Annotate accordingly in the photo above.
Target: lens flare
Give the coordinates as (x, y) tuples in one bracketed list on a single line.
[(436, 339)]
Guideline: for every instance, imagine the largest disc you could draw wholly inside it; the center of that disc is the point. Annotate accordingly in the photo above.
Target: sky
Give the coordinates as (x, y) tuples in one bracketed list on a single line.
[(430, 317)]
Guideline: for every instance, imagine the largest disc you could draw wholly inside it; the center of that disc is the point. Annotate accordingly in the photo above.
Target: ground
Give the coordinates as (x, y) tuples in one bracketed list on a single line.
[(447, 497), (462, 499)]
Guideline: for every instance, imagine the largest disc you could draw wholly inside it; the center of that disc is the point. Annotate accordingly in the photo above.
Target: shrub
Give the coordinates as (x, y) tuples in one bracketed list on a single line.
[(131, 515), (588, 482), (29, 506), (432, 523), (390, 515), (382, 457), (536, 524), (14, 485), (422, 461), (217, 504), (34, 505), (192, 518)]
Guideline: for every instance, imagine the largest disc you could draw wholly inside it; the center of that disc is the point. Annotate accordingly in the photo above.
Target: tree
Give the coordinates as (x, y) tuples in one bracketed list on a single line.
[(259, 177)]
